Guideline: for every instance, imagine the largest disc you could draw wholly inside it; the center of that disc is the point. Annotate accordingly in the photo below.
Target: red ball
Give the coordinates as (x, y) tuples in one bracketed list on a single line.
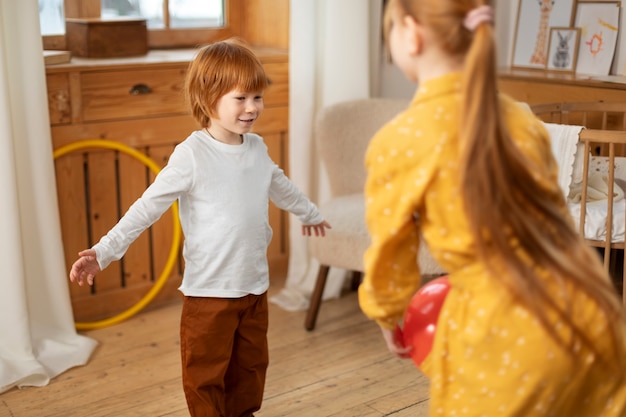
[(420, 319)]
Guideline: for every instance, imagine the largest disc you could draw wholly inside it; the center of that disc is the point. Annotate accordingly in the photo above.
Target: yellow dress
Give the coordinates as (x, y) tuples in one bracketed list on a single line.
[(490, 356)]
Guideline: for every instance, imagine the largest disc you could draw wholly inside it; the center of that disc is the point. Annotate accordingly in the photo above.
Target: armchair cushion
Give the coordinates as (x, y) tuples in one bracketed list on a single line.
[(344, 244)]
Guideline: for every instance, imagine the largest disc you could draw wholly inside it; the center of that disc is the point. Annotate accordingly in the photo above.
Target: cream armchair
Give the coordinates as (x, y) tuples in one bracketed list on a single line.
[(342, 134)]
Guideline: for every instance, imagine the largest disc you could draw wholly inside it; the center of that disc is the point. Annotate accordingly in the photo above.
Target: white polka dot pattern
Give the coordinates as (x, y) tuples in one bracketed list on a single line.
[(490, 356)]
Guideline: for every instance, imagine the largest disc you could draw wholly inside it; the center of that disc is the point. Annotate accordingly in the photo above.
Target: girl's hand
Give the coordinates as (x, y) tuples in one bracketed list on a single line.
[(394, 343), (86, 267), (317, 229)]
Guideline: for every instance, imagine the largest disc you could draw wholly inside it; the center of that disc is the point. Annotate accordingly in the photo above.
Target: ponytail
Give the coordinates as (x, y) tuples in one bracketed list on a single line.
[(503, 202)]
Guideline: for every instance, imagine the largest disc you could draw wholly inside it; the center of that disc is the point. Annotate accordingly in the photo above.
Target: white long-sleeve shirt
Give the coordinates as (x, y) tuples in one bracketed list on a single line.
[(223, 193)]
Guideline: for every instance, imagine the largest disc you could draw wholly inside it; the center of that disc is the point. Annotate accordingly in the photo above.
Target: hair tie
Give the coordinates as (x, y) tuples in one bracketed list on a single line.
[(478, 16)]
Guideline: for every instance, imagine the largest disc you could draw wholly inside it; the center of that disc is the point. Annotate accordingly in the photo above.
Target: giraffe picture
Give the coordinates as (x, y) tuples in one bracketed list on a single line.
[(532, 32)]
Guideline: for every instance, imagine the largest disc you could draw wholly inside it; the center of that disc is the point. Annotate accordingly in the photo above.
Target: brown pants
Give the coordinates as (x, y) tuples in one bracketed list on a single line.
[(223, 344)]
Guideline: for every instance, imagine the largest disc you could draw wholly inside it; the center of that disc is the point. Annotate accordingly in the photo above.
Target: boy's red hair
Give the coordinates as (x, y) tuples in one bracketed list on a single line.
[(218, 69)]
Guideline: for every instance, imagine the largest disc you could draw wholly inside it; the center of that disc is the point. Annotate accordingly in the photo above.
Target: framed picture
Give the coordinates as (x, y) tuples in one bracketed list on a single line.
[(563, 49), (599, 25), (532, 30)]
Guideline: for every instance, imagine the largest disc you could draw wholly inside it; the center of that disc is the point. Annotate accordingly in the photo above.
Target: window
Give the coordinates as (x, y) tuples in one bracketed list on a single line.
[(51, 18), (181, 14), (171, 23)]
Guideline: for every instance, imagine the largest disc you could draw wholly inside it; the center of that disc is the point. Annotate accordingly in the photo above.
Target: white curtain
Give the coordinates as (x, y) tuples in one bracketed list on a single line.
[(37, 336), (330, 61)]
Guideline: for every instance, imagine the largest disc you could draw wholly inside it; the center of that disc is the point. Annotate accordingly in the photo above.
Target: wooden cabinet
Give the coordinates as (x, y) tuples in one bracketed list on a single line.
[(138, 102), (535, 87)]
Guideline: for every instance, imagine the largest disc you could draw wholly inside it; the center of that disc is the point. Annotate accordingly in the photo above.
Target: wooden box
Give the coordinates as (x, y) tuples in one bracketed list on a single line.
[(107, 38)]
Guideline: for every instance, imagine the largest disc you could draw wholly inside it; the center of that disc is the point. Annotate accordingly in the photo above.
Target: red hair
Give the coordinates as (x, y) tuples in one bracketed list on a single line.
[(218, 69)]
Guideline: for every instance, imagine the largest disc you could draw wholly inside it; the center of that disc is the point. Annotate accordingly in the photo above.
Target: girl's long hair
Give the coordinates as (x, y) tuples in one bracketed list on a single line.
[(514, 217)]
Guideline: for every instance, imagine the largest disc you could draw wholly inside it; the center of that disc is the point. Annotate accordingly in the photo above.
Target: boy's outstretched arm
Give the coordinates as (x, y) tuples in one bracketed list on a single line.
[(315, 229), (85, 268)]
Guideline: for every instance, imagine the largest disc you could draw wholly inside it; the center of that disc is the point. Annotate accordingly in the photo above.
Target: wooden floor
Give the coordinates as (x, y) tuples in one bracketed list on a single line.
[(341, 369)]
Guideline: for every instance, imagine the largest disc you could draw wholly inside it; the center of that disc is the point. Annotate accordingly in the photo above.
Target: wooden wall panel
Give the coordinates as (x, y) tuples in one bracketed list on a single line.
[(103, 210), (72, 211), (266, 23), (133, 180)]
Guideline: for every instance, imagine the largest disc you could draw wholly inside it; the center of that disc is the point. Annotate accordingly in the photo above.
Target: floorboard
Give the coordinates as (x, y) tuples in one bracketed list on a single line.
[(341, 369)]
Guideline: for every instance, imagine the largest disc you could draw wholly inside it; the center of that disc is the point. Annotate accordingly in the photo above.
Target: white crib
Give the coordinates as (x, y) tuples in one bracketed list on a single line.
[(602, 222)]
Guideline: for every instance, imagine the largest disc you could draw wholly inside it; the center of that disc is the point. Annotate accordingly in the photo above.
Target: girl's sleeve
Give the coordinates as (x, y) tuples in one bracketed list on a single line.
[(168, 185), (393, 193)]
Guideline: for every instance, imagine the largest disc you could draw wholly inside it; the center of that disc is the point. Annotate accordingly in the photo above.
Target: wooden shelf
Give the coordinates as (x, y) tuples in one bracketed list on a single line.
[(155, 57), (536, 86)]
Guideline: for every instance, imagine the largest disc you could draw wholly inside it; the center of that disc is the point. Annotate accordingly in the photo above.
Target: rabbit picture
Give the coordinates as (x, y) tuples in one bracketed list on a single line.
[(561, 58)]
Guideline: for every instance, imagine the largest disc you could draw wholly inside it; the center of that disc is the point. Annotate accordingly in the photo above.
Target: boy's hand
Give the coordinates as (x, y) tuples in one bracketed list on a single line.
[(86, 267), (317, 229)]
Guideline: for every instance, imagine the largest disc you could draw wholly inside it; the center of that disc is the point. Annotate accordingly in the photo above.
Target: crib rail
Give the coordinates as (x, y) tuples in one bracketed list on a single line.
[(604, 116), (604, 135), (589, 138)]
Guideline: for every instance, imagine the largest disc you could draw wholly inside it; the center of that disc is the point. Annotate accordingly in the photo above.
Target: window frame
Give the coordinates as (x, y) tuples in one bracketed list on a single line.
[(157, 38)]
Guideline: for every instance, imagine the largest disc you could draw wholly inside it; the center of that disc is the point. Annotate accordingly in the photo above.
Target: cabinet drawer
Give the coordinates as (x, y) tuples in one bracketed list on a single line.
[(111, 95), (59, 102)]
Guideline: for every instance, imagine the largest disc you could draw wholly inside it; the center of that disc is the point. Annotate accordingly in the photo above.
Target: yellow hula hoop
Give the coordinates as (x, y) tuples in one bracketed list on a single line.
[(171, 260)]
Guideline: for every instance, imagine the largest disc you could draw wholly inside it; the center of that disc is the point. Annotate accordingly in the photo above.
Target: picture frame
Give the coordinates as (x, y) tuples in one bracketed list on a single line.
[(599, 23), (532, 30), (563, 49)]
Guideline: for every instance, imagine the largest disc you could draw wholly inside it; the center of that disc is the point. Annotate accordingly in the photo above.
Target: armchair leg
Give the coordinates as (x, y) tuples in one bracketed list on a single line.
[(357, 277), (624, 279), (316, 297)]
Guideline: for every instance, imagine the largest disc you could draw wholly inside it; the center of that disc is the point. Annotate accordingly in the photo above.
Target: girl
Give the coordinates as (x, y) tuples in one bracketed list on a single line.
[(532, 325), (223, 178)]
